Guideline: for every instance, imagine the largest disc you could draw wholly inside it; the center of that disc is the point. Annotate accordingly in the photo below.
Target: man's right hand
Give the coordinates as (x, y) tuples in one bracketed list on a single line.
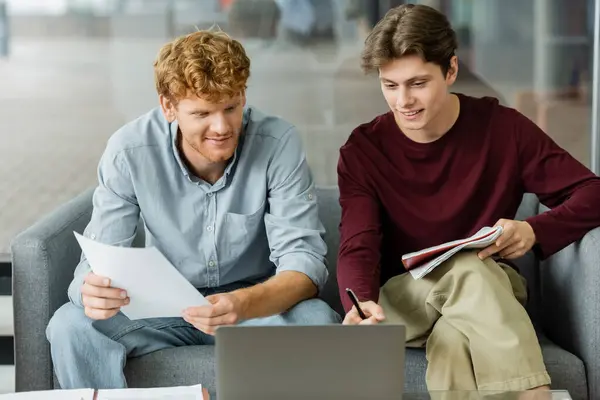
[(372, 310), (99, 299)]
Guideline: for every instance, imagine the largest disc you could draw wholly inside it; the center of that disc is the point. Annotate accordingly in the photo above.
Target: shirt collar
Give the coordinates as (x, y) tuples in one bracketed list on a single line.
[(174, 128)]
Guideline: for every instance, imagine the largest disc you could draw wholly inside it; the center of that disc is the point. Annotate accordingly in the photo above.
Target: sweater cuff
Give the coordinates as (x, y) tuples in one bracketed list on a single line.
[(544, 246), (362, 295)]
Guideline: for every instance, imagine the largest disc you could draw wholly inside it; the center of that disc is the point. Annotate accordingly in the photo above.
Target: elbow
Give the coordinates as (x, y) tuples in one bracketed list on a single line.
[(309, 271)]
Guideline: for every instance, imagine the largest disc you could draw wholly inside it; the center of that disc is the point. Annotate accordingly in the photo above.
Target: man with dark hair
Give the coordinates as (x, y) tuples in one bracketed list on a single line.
[(438, 167)]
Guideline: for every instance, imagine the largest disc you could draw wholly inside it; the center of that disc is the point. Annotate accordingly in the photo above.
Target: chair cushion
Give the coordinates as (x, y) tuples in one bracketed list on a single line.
[(195, 364), (330, 215), (179, 366)]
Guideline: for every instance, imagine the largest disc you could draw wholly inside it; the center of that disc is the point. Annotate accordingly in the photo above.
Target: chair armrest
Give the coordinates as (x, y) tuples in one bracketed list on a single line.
[(44, 258), (570, 285)]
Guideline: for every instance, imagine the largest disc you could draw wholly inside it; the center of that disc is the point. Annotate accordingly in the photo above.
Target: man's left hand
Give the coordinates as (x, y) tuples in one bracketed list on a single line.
[(517, 239), (224, 309)]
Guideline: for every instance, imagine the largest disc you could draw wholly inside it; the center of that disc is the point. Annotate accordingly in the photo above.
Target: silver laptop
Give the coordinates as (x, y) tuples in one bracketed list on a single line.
[(332, 362)]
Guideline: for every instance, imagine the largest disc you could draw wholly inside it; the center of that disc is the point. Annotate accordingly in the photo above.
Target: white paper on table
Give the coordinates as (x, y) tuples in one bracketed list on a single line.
[(73, 394), (155, 287), (167, 393)]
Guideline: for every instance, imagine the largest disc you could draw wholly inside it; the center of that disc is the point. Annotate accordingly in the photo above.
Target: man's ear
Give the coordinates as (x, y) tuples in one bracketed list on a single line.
[(168, 108), (243, 96), (452, 71)]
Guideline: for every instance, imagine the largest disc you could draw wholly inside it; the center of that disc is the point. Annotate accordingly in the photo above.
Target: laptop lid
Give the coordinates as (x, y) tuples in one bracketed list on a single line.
[(310, 362)]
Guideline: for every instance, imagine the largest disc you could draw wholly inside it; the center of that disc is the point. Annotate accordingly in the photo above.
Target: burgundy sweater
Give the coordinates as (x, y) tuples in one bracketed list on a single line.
[(399, 196)]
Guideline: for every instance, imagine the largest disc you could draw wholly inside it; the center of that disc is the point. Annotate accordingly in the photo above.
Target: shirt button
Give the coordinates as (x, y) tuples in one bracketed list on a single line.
[(209, 228), (209, 194), (211, 263), (310, 196), (92, 236)]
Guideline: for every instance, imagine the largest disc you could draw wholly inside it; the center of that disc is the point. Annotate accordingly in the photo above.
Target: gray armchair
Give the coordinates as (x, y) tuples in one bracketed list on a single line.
[(565, 304)]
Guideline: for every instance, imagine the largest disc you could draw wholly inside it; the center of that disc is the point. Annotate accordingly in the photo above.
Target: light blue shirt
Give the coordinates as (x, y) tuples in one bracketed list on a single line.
[(259, 219)]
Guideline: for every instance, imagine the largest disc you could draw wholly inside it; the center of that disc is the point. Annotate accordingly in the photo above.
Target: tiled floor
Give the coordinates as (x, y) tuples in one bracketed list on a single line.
[(7, 372), (6, 316), (7, 378)]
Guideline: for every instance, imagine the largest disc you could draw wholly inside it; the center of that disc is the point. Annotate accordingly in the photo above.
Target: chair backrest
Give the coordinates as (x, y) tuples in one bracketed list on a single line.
[(330, 214), (529, 264)]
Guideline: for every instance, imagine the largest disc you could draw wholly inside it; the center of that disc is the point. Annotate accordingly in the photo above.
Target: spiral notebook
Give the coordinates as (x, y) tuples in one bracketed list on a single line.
[(422, 262)]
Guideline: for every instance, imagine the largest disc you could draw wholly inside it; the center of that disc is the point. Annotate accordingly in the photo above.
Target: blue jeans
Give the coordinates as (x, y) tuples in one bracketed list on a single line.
[(92, 354)]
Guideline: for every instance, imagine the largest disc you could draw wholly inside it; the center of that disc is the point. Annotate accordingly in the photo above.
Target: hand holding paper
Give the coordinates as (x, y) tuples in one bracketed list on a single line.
[(101, 301), (420, 263), (154, 286), (517, 239), (226, 310)]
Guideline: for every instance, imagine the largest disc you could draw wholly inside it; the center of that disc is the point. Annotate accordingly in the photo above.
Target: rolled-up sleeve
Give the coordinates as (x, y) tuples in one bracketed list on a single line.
[(115, 214), (294, 230)]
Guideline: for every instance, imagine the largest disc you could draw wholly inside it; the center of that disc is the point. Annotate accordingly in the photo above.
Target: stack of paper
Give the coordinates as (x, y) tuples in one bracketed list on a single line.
[(168, 393), (75, 394), (422, 262)]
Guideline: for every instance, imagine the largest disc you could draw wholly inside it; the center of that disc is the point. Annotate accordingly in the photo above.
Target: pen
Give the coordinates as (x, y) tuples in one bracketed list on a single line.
[(355, 302)]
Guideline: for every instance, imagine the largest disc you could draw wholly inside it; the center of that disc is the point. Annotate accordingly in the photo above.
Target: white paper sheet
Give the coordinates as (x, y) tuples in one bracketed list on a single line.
[(75, 394), (154, 286), (168, 393)]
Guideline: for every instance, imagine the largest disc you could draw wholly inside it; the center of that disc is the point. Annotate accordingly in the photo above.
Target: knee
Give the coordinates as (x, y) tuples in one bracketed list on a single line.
[(313, 312), (68, 322), (468, 263)]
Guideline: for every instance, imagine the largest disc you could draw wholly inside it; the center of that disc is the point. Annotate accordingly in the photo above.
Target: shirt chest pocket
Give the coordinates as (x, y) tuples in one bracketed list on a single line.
[(238, 232)]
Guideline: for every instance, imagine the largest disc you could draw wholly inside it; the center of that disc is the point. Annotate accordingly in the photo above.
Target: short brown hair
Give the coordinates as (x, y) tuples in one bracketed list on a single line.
[(209, 64), (410, 29)]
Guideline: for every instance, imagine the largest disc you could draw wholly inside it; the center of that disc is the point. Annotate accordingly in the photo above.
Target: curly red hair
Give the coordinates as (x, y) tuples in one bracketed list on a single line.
[(209, 64)]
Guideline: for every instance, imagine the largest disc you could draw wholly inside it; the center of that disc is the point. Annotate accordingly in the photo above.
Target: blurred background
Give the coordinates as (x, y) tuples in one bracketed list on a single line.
[(73, 71)]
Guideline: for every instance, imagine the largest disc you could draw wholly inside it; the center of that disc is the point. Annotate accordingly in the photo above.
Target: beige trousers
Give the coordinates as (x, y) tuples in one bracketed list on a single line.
[(470, 316)]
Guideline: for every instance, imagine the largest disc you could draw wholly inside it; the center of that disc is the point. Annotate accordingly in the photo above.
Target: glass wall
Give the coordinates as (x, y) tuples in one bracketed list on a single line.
[(73, 71), (537, 55)]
